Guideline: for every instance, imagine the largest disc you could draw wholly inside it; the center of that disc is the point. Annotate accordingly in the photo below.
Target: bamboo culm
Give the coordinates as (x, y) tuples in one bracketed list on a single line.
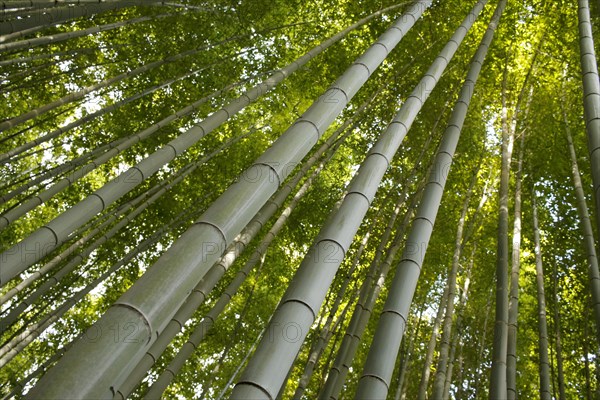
[(426, 369), (511, 350), (377, 372), (326, 332), (498, 385), (558, 338), (586, 227), (345, 353), (317, 351), (414, 101), (544, 365), (114, 148), (591, 96)]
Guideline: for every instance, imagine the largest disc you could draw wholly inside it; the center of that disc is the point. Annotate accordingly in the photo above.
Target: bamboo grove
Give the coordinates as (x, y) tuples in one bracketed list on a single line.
[(299, 199)]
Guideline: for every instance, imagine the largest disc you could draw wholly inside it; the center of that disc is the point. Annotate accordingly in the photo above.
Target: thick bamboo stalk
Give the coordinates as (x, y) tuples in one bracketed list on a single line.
[(370, 291), (513, 307), (371, 285), (199, 333), (498, 374), (231, 342), (377, 372), (326, 332), (591, 100), (197, 296), (338, 371), (310, 284), (586, 227), (44, 240), (114, 147), (544, 365), (317, 351), (426, 368)]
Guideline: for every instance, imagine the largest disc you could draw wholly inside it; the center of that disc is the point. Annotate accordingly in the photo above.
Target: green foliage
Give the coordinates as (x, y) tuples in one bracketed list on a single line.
[(241, 42)]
